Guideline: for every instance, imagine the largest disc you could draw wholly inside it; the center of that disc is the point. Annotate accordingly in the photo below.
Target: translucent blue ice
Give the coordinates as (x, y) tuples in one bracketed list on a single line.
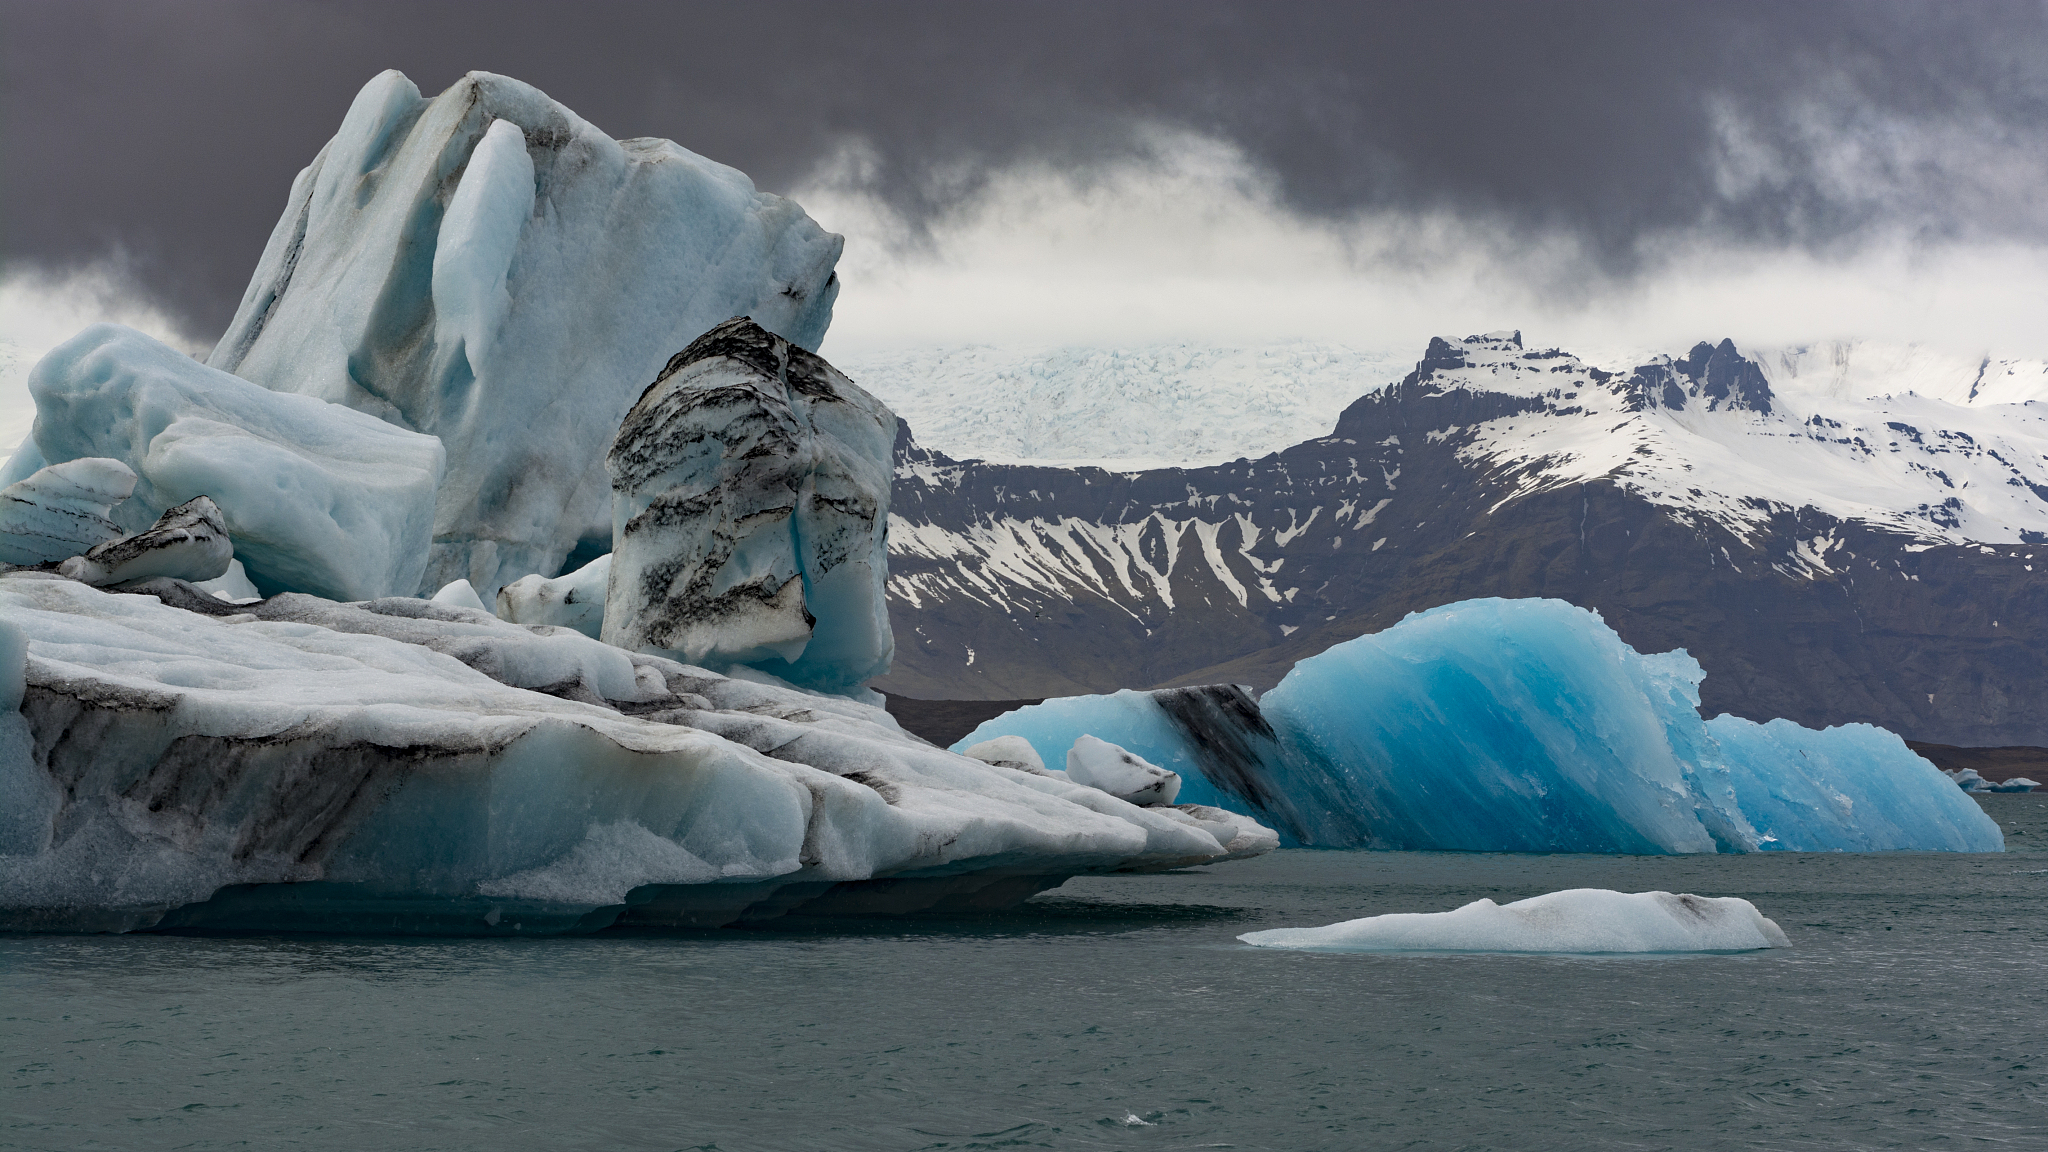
[(1525, 726)]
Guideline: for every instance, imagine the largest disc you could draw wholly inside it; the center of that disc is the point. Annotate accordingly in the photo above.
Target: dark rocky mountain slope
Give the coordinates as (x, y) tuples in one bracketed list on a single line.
[(1825, 559)]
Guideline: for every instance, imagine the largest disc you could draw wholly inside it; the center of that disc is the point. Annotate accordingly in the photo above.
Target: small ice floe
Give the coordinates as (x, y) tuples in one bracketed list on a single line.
[(1580, 920), (1969, 780)]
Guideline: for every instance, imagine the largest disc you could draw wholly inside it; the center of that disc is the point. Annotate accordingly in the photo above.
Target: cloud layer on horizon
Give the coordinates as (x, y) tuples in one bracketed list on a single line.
[(1191, 241), (1071, 172)]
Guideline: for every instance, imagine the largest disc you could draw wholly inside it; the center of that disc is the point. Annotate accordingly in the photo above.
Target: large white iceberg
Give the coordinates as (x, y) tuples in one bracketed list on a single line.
[(750, 505), (1579, 920), (317, 498), (1520, 726), (488, 268), (402, 765)]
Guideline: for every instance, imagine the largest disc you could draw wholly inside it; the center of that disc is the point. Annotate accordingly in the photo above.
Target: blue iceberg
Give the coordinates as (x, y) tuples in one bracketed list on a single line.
[(1519, 726)]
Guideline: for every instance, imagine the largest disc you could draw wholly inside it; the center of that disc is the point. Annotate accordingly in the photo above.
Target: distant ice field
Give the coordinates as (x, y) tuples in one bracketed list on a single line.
[(1117, 1013), (1192, 405)]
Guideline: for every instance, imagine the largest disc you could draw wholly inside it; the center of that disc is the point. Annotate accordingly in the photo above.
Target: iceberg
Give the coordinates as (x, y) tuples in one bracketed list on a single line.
[(316, 497), (1520, 726), (170, 760), (1581, 920), (488, 268), (750, 505)]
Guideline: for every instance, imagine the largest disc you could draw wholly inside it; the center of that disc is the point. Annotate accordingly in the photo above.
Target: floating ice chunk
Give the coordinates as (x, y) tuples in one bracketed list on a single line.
[(574, 600), (487, 267), (317, 498), (1852, 788), (2016, 784), (1577, 920), (189, 542), (1010, 752), (62, 510), (232, 586), (1968, 779), (750, 506), (1100, 764), (458, 594), (402, 765), (1520, 726)]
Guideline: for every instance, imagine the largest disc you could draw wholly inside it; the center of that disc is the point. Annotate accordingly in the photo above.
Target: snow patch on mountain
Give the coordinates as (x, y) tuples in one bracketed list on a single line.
[(1947, 468)]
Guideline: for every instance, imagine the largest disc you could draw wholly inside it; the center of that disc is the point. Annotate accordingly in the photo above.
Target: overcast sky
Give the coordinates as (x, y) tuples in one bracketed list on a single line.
[(1124, 172)]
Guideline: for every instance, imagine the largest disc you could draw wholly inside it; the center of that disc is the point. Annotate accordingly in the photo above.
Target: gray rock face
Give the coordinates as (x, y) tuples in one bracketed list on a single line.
[(62, 510), (189, 542), (750, 504), (1711, 376)]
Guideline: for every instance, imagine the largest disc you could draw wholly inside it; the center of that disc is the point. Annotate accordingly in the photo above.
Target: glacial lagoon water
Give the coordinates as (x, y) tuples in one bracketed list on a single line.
[(1114, 1013)]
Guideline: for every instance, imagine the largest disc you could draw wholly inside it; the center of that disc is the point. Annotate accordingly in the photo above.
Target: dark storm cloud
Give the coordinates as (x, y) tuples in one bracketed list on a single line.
[(169, 133)]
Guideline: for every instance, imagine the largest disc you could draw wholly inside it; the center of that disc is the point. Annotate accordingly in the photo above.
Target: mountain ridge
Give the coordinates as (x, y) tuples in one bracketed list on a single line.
[(1827, 559)]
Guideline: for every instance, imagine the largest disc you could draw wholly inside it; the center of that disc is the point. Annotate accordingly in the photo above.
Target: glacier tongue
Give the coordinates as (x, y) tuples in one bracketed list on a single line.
[(750, 505), (1520, 726), (488, 268), (403, 765)]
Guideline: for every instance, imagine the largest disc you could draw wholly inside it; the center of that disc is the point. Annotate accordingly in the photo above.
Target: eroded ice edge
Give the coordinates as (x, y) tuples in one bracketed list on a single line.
[(1519, 726), (1581, 920)]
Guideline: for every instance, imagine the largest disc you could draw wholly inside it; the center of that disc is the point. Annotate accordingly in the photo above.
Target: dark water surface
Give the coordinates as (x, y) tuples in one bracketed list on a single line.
[(1110, 1014)]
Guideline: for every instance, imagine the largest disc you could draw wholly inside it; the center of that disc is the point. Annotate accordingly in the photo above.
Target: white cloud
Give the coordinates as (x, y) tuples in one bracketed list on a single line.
[(40, 309), (1192, 243)]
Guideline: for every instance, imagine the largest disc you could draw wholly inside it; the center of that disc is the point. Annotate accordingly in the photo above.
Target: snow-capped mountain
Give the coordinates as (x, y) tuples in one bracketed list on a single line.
[(1837, 533)]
